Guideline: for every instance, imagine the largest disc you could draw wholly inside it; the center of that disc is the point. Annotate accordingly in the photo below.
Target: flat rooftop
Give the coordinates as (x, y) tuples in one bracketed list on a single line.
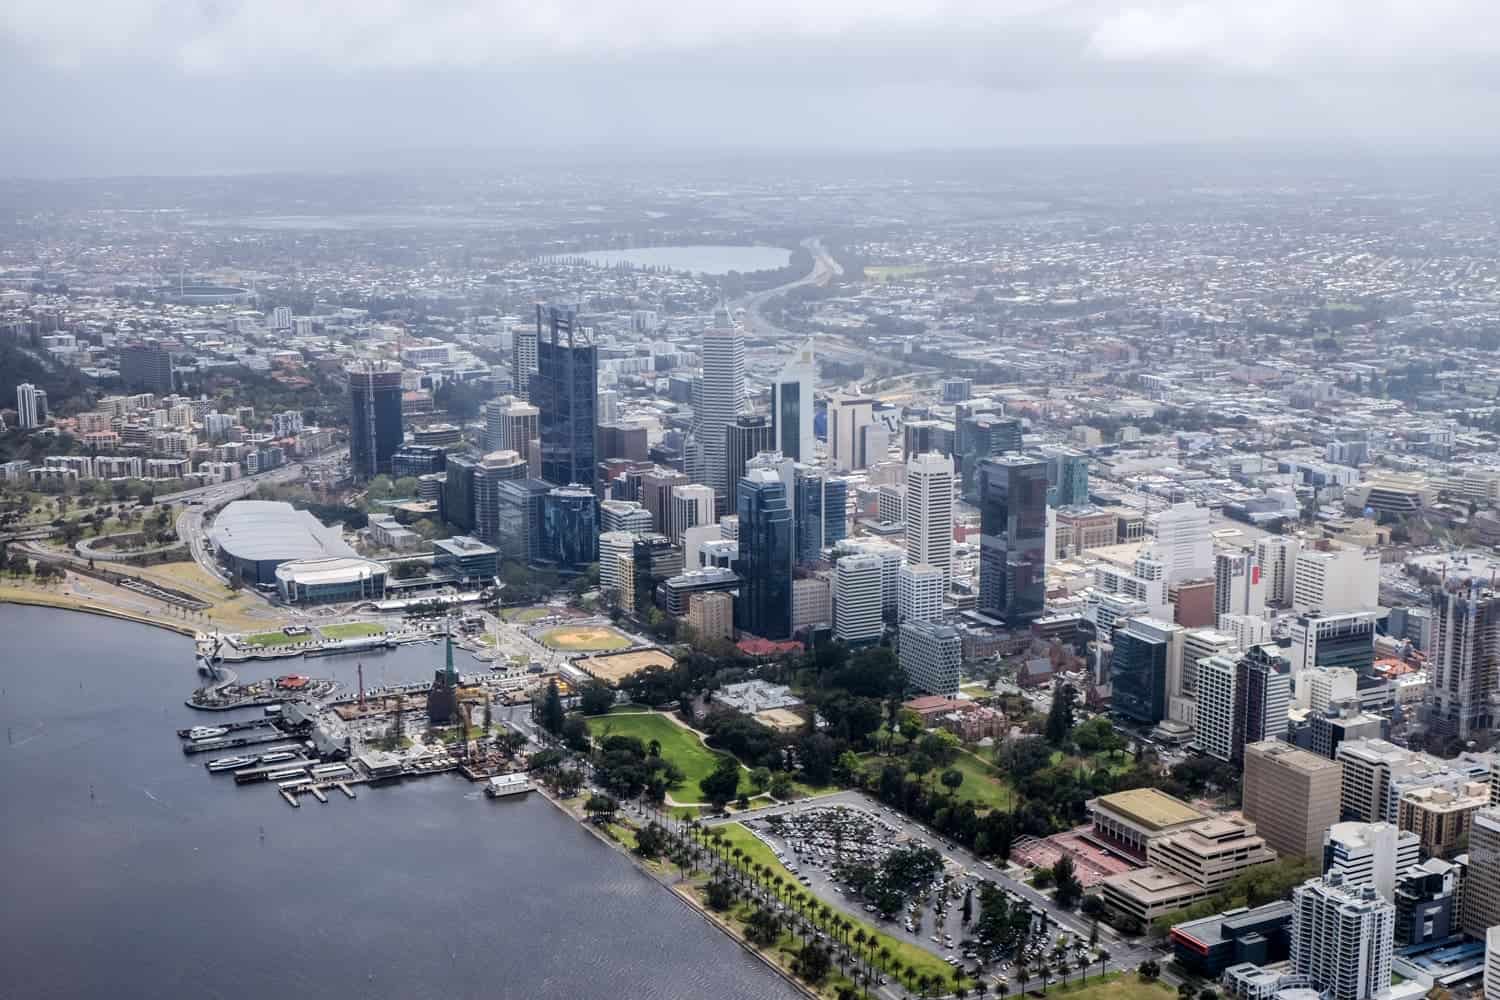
[(1150, 808)]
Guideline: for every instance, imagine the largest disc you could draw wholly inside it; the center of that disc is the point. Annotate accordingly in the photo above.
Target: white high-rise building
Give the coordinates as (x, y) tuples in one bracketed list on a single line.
[(612, 546), (792, 406), (1277, 556), (523, 361), (281, 318), (919, 594), (857, 613), (1342, 939), (1317, 689), (1215, 700), (1248, 630), (931, 656), (1239, 587), (722, 399), (929, 511), (31, 408), (692, 506), (609, 406), (848, 420), (1184, 542), (1492, 964), (1370, 854), (1332, 579)]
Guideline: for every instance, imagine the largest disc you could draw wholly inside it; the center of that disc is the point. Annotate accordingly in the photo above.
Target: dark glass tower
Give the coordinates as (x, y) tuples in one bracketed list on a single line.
[(375, 429), (764, 607), (1012, 538), (980, 437), (570, 527), (1138, 675), (835, 510), (565, 391), (748, 436), (458, 492), (808, 487)]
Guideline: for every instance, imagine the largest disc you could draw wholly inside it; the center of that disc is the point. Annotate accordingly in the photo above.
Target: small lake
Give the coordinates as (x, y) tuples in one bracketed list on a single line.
[(695, 259)]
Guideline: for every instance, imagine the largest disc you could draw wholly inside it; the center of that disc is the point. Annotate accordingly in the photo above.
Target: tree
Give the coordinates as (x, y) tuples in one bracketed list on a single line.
[(575, 733), (813, 962), (782, 787), (1068, 887), (848, 768), (719, 895), (1149, 970), (941, 746), (760, 778), (595, 698), (919, 764), (952, 778), (722, 785), (651, 841), (600, 808), (1024, 757), (1060, 716), (552, 713)]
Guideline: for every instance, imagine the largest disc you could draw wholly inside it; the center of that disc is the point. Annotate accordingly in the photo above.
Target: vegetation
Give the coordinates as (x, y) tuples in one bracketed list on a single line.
[(351, 630), (675, 745), (1261, 884)]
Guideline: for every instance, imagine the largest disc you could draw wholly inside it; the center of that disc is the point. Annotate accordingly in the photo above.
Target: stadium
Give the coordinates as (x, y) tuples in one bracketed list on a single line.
[(253, 537)]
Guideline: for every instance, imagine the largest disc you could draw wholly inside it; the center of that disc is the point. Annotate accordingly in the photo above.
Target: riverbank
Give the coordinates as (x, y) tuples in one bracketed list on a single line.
[(68, 602)]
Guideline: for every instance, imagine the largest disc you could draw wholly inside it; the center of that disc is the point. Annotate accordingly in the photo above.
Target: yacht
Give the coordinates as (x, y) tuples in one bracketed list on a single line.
[(230, 763), (206, 732)]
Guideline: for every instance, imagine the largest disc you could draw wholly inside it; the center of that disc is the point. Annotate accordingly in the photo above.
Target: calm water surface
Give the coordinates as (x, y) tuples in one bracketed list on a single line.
[(127, 870)]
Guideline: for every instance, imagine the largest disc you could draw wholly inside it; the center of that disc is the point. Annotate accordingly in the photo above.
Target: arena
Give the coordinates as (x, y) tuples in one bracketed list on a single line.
[(253, 537)]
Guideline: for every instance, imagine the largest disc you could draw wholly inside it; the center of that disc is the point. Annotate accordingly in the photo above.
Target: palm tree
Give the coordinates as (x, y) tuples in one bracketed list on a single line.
[(1023, 973), (1103, 962), (1082, 965), (1003, 990)]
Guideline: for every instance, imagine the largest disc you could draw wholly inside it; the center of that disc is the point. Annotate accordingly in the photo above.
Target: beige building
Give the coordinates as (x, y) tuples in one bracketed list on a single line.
[(1368, 768), (1292, 796), (812, 602), (1130, 820), (1481, 903), (1440, 816), (1186, 866), (1082, 528), (711, 615)]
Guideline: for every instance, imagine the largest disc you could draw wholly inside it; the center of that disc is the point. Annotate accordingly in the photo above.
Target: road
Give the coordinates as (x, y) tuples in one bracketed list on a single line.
[(199, 502)]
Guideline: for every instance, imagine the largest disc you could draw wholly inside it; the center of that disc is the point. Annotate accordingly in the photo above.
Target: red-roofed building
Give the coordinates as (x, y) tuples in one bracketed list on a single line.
[(754, 645)]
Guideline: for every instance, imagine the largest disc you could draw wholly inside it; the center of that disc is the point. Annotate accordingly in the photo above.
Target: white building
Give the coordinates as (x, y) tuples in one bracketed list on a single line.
[(613, 545), (792, 406), (1184, 542), (931, 656), (1332, 579), (812, 602), (848, 420), (692, 506), (929, 512), (1370, 854), (919, 594), (1215, 702), (1317, 689), (857, 613), (1248, 630), (1492, 964), (1239, 586), (31, 406), (1277, 556), (1342, 939), (723, 398)]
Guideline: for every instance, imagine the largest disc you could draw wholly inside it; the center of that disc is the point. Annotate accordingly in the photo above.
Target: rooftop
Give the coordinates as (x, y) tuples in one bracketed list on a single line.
[(1149, 807), (270, 530)]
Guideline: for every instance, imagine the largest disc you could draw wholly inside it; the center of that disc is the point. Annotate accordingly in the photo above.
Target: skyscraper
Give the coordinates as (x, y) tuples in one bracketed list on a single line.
[(492, 470), (1292, 795), (792, 405), (764, 607), (1184, 543), (523, 359), (919, 593), (1013, 538), (1146, 651), (1067, 477), (147, 367), (835, 510), (1214, 699), (458, 492), (1370, 854), (851, 441), (1342, 938), (931, 656), (1238, 586), (857, 613), (31, 408), (928, 512), (375, 428), (1481, 892), (983, 436), (564, 391), (1464, 670), (692, 505), (570, 527), (807, 508), (1262, 696), (743, 437), (722, 400), (510, 425)]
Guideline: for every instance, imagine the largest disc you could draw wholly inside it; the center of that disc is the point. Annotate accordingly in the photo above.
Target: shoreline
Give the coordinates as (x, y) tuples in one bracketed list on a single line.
[(686, 899), (57, 603)]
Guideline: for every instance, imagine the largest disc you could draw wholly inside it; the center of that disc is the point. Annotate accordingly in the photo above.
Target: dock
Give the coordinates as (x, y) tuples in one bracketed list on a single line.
[(318, 794), (343, 787), (261, 772), (233, 742), (291, 799), (233, 727)]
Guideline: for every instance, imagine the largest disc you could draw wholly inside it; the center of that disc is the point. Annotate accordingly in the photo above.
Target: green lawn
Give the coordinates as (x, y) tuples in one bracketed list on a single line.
[(678, 746), (351, 630), (912, 956), (269, 639), (522, 615), (982, 785), (1113, 986)]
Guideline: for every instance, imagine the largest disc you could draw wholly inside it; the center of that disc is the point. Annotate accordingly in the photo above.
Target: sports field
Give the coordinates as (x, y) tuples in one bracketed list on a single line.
[(351, 630), (268, 639), (584, 638), (678, 746), (612, 668), (523, 615)]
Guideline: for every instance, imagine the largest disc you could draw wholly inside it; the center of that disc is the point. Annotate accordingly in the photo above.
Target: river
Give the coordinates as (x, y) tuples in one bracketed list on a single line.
[(127, 870)]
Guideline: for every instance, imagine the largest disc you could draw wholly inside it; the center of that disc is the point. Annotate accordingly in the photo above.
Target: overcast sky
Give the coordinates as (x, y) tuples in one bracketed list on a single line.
[(183, 85)]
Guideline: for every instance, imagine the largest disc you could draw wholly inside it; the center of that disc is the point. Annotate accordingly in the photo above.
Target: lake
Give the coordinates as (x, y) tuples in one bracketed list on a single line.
[(695, 259), (128, 870)]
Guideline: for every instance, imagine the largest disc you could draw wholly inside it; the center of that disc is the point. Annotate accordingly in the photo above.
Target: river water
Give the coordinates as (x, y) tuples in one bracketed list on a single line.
[(126, 870)]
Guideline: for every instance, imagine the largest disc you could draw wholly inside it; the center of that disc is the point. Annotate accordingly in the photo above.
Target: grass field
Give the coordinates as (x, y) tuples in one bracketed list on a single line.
[(678, 746), (1114, 986), (982, 785), (523, 615), (584, 639), (266, 640), (351, 630), (913, 957)]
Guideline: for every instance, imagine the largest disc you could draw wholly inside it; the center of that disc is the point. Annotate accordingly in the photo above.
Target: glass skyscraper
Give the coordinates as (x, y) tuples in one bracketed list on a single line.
[(375, 429), (570, 527), (835, 510), (565, 391), (1138, 674), (1012, 538), (764, 607), (808, 504)]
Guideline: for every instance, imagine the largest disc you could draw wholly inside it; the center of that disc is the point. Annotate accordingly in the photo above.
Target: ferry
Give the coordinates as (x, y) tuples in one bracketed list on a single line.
[(291, 772), (230, 763), (277, 757), (206, 732), (508, 784)]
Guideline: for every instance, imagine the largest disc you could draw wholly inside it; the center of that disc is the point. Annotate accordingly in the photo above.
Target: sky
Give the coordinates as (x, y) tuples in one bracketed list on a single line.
[(164, 86)]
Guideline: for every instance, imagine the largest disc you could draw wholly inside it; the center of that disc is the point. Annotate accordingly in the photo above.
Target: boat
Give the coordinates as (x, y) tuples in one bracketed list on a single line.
[(230, 763), (508, 784), (277, 757), (206, 732)]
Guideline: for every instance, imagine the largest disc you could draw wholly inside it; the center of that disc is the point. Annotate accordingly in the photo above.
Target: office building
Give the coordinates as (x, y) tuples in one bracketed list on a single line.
[(1341, 721), (978, 436), (764, 607), (956, 390), (807, 511), (857, 612), (1259, 936), (1369, 767), (812, 602), (1277, 557), (1185, 867), (675, 593), (792, 406), (890, 503), (919, 593), (1316, 690), (1342, 939), (1082, 528), (1480, 907), (742, 438), (1067, 477), (1262, 697), (493, 469), (570, 527), (417, 460), (1214, 702), (1370, 854), (835, 510), (1239, 588), (564, 391), (1013, 533), (1441, 817), (1491, 984), (375, 428), (1330, 577), (1183, 542), (656, 487), (1464, 669), (511, 425), (929, 512), (654, 559), (692, 505), (1291, 795), (523, 359), (850, 420), (711, 615), (31, 406), (1192, 603), (612, 546), (722, 399), (625, 515), (1428, 896), (930, 656), (623, 441), (1146, 651), (920, 436), (519, 505), (465, 558), (458, 492), (147, 367), (1338, 639)]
